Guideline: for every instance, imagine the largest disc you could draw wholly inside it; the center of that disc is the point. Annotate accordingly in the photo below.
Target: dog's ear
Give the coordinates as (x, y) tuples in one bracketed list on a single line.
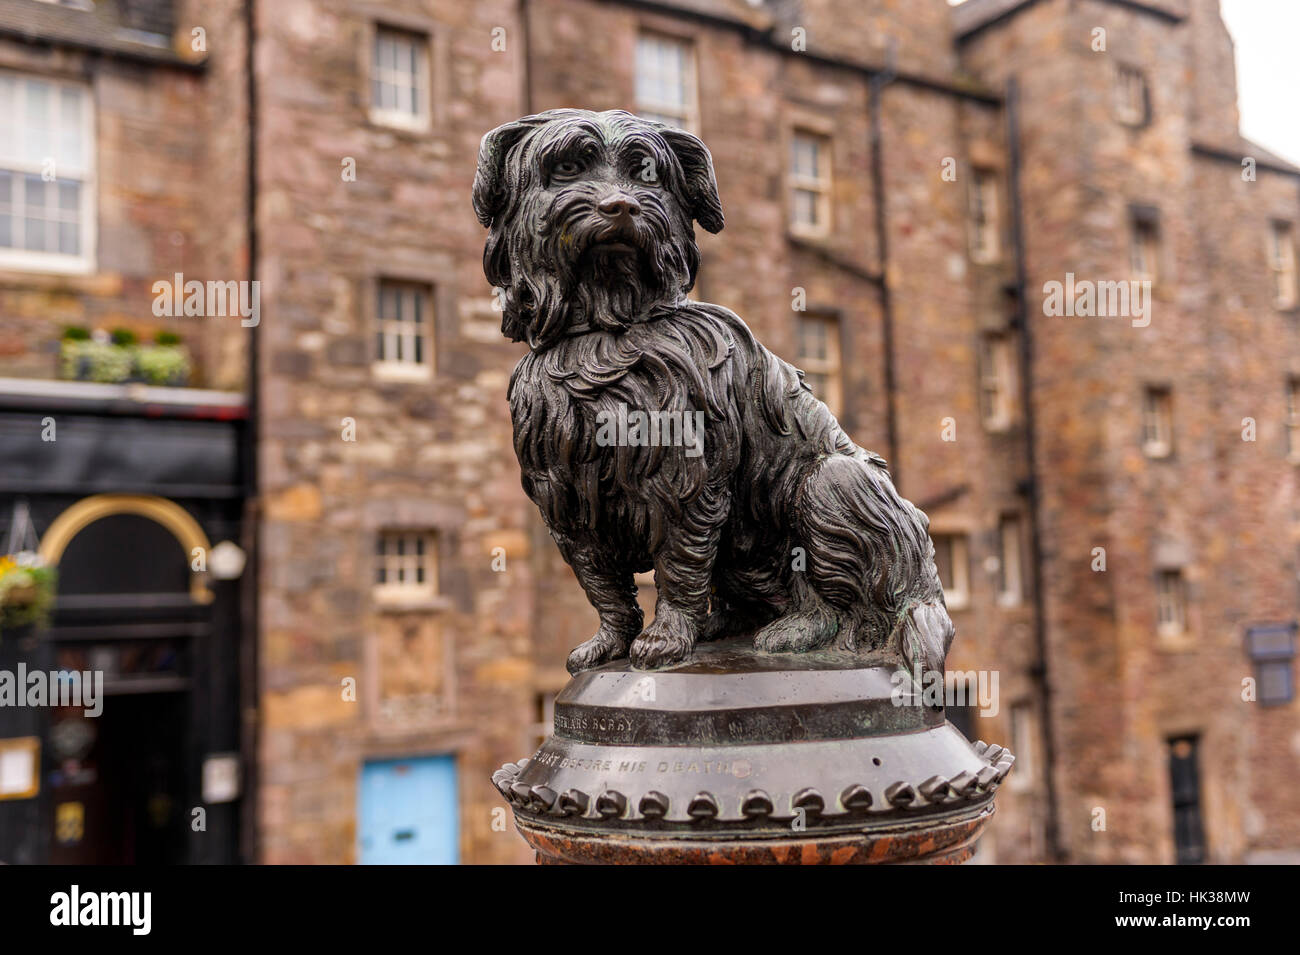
[(701, 186), (491, 190)]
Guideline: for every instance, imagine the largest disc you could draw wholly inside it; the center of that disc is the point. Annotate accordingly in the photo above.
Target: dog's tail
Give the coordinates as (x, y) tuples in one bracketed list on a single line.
[(870, 556)]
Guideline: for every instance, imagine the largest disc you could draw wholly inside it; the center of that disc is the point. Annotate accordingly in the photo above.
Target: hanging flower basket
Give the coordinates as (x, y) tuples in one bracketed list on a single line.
[(26, 590)]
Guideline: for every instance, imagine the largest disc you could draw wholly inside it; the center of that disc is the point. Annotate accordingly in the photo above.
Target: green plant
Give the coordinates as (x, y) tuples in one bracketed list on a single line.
[(167, 338), (163, 364), (110, 363), (26, 590), (75, 333), (74, 357), (123, 337)]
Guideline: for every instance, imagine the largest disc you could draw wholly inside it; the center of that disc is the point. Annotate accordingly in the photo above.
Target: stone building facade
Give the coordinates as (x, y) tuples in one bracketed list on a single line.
[(1113, 499)]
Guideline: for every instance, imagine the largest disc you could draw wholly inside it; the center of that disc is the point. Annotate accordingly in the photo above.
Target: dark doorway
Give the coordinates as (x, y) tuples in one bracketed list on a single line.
[(119, 792), (1185, 785)]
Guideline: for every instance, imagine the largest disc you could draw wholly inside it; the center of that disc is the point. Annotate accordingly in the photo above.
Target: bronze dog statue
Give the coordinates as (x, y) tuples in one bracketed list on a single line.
[(772, 520)]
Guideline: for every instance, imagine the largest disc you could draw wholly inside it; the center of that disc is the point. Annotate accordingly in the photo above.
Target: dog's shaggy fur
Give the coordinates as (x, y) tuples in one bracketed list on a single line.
[(782, 526)]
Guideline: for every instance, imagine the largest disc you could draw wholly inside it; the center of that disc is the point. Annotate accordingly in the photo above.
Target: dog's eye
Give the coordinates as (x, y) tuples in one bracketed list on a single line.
[(566, 169)]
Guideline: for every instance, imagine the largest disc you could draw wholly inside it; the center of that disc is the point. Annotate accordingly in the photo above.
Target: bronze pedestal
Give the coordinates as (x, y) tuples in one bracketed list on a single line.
[(733, 758)]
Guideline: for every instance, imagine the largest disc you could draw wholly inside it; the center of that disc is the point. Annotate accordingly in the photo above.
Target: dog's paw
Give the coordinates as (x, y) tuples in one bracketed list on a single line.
[(797, 632), (669, 639), (603, 647), (925, 634)]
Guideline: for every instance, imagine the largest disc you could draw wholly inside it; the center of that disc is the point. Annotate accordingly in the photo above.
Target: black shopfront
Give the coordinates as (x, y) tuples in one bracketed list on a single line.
[(132, 496)]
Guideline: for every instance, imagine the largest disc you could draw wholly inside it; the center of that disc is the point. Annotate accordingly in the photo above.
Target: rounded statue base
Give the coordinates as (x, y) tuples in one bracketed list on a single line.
[(737, 758)]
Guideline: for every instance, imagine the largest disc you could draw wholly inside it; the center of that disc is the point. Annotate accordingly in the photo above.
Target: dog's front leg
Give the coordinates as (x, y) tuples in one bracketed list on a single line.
[(683, 570), (611, 589)]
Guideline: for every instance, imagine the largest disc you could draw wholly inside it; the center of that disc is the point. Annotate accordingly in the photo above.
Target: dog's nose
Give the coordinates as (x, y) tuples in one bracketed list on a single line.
[(618, 206)]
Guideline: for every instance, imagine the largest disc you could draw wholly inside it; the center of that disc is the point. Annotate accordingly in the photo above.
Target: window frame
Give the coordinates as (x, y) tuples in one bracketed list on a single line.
[(985, 215), (1023, 717), (1126, 112), (422, 40), (958, 596), (831, 366), (820, 184), (1173, 598), (1282, 264), (424, 331), (1157, 410), (29, 260), (998, 380), (689, 109), (389, 592), (1011, 571), (1145, 242)]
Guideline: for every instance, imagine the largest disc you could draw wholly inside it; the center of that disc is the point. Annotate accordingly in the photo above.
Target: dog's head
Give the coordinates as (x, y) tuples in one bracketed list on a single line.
[(590, 218)]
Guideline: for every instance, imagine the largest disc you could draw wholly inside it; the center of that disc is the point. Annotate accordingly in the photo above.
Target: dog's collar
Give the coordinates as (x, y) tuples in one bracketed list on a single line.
[(657, 312)]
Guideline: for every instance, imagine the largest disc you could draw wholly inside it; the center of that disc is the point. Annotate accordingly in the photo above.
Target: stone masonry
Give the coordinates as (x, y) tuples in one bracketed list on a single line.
[(345, 202)]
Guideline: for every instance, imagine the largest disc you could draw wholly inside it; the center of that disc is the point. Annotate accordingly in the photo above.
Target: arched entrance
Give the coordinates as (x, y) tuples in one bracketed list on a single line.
[(132, 609)]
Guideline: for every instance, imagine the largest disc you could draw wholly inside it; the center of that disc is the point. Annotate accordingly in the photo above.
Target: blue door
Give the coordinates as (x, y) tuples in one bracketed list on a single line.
[(407, 812)]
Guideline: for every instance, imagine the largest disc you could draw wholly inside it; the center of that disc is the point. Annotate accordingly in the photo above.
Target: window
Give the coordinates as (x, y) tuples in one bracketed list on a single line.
[(984, 216), (952, 558), (1132, 99), (1282, 262), (819, 357), (997, 380), (1144, 245), (665, 81), (1023, 745), (47, 203), (399, 78), (1171, 603), (810, 183), (1157, 423), (1011, 591), (1272, 650), (405, 566), (403, 330), (1185, 787)]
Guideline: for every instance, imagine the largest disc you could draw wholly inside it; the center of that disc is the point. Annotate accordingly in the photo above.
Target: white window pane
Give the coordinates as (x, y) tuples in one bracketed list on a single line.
[(6, 231), (34, 194), (34, 234), (69, 197), (69, 238), (70, 127)]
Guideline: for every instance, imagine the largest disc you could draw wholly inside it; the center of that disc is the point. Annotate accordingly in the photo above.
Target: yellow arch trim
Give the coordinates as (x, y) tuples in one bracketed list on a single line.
[(167, 513)]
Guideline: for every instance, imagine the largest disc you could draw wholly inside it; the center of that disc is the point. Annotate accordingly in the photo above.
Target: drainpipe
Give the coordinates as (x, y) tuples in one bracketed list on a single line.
[(1031, 487), (879, 80), (249, 590)]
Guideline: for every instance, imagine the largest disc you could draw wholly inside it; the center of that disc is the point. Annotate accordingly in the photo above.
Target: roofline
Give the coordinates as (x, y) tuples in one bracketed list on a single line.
[(1136, 5), (766, 37), (163, 58), (1227, 155)]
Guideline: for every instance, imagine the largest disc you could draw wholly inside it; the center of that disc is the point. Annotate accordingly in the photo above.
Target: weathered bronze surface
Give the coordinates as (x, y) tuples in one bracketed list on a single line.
[(655, 432)]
